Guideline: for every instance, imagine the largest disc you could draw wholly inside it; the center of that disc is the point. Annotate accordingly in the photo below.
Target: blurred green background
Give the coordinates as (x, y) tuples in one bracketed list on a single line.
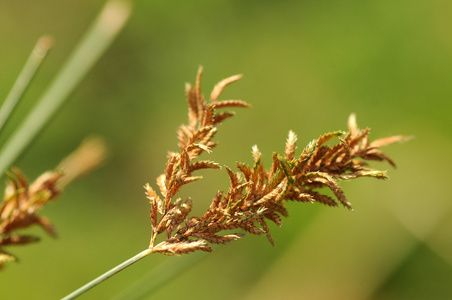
[(307, 65)]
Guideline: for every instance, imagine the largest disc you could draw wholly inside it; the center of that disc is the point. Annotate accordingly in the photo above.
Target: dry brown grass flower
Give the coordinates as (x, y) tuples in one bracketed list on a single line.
[(255, 195), (23, 200)]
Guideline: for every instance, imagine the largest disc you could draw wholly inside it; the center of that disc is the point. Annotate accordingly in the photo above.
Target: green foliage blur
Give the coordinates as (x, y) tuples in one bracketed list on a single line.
[(307, 65)]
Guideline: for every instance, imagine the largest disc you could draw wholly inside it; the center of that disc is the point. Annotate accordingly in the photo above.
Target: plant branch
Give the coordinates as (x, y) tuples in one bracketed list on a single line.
[(157, 277), (108, 274)]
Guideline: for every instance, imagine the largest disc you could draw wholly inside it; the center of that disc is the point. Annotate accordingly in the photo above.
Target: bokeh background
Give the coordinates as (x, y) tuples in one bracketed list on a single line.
[(307, 65)]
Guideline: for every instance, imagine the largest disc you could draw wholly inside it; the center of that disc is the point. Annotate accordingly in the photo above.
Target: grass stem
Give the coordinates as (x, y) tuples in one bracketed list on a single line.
[(156, 278), (107, 275), (30, 68)]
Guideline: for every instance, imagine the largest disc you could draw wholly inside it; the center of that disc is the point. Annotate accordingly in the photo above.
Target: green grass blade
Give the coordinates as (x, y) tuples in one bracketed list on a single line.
[(35, 59), (111, 20)]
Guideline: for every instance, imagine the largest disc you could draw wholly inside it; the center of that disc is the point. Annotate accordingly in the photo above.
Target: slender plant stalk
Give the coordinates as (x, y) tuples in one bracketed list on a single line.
[(157, 277), (107, 275), (30, 68), (111, 20), (160, 275)]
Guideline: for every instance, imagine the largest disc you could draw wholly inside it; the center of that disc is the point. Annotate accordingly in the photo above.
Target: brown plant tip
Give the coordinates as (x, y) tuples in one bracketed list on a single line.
[(22, 201), (255, 195)]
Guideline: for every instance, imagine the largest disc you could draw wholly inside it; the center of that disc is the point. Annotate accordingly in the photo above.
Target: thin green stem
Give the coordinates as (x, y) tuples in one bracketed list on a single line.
[(107, 275), (30, 68), (159, 276), (94, 43)]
